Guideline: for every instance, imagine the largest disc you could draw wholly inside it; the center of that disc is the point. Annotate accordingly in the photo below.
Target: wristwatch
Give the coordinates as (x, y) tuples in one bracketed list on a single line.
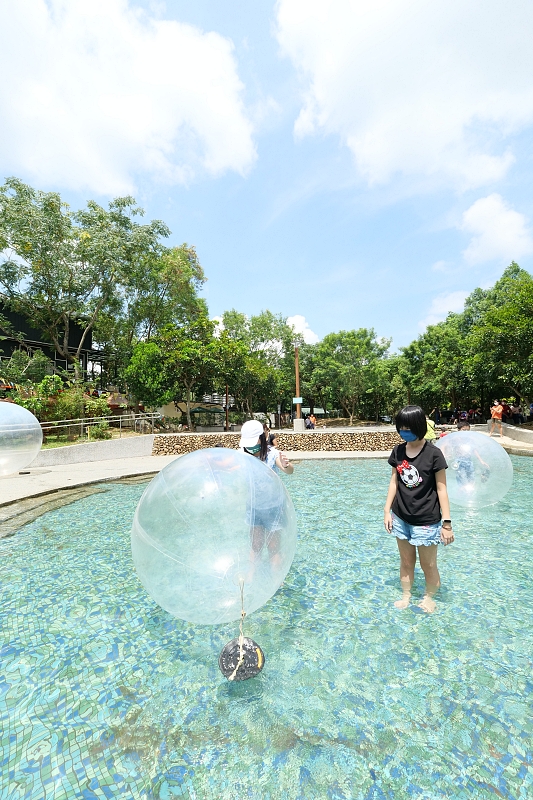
[(447, 522)]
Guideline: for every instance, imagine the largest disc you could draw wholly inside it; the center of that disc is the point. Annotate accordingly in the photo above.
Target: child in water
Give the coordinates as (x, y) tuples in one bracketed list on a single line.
[(416, 501)]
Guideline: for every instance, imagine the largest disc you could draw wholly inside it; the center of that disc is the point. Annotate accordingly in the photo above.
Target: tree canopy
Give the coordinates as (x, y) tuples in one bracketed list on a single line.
[(103, 272)]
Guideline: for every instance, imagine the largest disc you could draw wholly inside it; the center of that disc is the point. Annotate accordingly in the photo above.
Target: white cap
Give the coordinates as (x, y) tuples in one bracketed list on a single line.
[(250, 433)]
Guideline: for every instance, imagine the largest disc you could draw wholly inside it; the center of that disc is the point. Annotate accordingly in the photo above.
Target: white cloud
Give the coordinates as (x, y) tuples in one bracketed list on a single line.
[(428, 90), (442, 305), (499, 231), (95, 93), (299, 324), (219, 326)]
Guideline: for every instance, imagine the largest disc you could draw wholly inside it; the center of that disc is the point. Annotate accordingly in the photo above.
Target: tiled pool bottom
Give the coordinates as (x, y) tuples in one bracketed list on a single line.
[(103, 695)]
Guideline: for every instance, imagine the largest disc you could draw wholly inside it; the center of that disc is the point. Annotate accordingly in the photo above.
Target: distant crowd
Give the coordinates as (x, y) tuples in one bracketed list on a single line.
[(512, 412)]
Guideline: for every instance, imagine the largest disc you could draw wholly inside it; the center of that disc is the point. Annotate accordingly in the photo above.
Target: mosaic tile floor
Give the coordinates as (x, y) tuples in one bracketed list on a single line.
[(103, 695)]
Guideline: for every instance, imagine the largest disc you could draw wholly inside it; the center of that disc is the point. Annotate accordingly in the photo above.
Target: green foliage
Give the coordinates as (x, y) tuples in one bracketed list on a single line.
[(96, 406), (40, 399), (267, 377), (21, 368), (146, 376), (483, 352), (346, 365), (69, 404), (100, 430), (63, 269)]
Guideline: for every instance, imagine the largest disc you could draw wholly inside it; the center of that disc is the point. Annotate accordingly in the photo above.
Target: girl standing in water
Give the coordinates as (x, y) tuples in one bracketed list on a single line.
[(417, 509)]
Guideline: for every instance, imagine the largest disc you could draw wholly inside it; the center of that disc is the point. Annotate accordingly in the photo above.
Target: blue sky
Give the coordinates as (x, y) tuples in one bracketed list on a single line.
[(353, 165)]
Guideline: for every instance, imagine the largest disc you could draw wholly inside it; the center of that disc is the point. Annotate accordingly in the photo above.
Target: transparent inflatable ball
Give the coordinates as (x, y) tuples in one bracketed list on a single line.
[(209, 522), (479, 471), (21, 437)]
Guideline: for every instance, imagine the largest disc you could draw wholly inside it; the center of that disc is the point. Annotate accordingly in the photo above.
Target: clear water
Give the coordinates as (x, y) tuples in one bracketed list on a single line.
[(103, 695)]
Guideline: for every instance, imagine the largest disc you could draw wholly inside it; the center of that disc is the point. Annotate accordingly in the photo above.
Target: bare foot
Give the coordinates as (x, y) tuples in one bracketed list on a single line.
[(404, 602), (427, 604)]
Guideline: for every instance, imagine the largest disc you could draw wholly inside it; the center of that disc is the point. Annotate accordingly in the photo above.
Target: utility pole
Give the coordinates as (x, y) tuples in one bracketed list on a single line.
[(298, 423), (227, 409), (297, 371)]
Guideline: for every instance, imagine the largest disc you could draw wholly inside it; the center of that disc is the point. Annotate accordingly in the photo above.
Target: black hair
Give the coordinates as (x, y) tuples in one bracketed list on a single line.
[(264, 448), (464, 423), (219, 444), (271, 439), (413, 418)]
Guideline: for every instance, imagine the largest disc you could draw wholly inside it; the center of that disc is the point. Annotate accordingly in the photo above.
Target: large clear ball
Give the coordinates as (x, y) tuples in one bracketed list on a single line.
[(21, 437), (207, 524), (479, 470)]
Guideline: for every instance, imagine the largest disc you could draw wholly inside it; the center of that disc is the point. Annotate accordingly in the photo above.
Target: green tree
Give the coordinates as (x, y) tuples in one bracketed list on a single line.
[(22, 368), (62, 269), (269, 376), (499, 324), (346, 363), (146, 376)]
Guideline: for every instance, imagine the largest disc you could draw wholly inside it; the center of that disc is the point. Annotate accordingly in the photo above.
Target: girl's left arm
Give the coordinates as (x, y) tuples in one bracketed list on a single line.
[(446, 534)]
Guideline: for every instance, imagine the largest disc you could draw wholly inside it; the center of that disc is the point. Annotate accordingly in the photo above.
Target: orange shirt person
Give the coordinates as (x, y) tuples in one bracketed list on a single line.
[(496, 412)]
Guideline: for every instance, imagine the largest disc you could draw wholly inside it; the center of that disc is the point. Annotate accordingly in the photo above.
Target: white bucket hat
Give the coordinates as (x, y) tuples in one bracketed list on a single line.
[(250, 433)]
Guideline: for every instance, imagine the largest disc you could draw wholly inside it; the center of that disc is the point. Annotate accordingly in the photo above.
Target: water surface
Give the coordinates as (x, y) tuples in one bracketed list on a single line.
[(104, 695)]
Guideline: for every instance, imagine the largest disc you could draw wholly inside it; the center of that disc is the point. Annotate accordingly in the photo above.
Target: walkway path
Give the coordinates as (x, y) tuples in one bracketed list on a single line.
[(512, 446)]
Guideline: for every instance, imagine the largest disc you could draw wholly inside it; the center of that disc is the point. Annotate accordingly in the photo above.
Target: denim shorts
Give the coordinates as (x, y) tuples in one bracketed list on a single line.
[(417, 535)]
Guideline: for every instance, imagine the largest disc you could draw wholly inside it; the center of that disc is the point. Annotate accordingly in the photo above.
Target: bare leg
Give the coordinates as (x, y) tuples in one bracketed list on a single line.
[(428, 562), (492, 423), (407, 571)]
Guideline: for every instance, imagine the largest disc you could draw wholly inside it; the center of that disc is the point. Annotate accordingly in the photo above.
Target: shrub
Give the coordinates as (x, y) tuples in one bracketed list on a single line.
[(100, 430)]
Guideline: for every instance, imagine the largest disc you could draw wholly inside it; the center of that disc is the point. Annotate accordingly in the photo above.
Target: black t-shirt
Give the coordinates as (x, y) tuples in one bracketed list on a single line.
[(417, 501)]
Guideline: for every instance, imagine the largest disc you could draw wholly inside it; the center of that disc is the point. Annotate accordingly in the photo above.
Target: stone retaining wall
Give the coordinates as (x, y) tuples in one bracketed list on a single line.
[(181, 443)]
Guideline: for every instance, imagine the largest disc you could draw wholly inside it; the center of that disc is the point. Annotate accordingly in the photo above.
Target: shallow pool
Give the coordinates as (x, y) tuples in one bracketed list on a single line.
[(103, 695)]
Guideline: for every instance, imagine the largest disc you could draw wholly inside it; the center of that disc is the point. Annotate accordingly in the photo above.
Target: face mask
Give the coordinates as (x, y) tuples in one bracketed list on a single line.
[(408, 436), (253, 449)]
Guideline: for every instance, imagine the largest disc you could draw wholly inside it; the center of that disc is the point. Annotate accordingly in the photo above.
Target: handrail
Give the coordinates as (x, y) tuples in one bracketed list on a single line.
[(86, 422), (108, 417)]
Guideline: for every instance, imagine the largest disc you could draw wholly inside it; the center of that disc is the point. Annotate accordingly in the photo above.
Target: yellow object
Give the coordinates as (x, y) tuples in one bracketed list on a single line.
[(259, 658), (430, 435)]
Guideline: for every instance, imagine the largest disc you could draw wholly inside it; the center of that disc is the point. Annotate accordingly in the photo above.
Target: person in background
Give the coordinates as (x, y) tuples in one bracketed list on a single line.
[(496, 413), (313, 421), (531, 412), (254, 442), (506, 411), (436, 415), (516, 413), (267, 512), (464, 463), (430, 435), (274, 455), (308, 424)]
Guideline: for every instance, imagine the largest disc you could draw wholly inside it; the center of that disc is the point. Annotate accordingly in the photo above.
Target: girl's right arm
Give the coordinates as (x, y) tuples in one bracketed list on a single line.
[(283, 463), (391, 494)]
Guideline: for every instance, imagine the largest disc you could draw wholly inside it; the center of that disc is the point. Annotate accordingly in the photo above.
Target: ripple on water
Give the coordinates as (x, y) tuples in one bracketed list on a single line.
[(104, 695)]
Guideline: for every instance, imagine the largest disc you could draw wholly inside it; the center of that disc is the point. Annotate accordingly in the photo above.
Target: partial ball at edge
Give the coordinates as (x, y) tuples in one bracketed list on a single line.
[(21, 437)]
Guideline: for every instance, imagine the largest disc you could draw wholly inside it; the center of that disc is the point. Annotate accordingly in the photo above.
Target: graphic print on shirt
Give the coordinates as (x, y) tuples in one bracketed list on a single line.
[(409, 474)]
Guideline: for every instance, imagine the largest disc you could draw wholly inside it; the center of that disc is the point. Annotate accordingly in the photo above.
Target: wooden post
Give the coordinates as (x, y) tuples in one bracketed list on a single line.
[(297, 371)]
